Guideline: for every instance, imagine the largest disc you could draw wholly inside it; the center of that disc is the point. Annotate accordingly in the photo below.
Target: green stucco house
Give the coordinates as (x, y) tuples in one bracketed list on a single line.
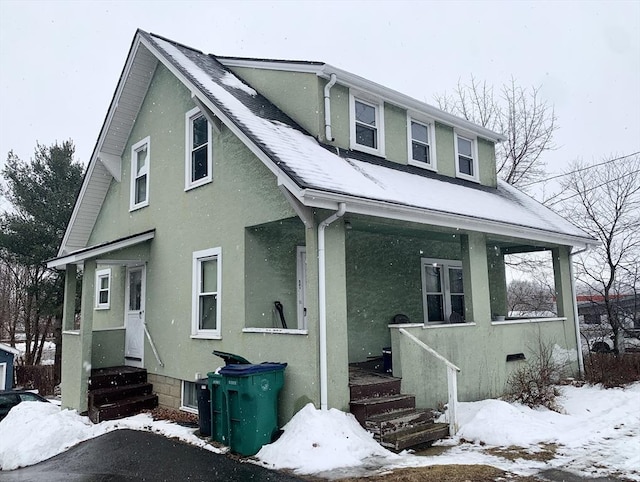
[(288, 211)]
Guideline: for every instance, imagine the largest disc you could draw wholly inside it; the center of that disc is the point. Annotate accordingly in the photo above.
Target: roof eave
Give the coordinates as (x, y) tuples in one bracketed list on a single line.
[(358, 205)]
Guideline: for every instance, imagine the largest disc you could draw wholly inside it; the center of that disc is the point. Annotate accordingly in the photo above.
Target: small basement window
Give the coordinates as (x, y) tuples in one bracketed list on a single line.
[(189, 398)]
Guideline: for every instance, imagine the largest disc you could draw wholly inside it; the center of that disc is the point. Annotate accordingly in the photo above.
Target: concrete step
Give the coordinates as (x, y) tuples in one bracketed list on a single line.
[(122, 408), (390, 422), (369, 407), (422, 434)]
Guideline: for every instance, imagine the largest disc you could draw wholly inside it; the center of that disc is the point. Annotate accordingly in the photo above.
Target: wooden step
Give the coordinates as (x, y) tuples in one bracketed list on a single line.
[(363, 384), (102, 396), (390, 422), (368, 407), (414, 436), (116, 376), (122, 408)]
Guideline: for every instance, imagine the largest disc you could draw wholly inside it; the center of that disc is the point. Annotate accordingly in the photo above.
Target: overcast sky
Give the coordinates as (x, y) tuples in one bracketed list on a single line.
[(60, 61)]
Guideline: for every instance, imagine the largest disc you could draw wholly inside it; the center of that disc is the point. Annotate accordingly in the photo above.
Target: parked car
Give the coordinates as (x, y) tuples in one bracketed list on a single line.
[(603, 343), (11, 398)]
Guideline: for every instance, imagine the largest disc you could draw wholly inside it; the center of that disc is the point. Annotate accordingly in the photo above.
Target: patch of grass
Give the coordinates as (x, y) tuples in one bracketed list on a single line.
[(445, 473), (545, 453)]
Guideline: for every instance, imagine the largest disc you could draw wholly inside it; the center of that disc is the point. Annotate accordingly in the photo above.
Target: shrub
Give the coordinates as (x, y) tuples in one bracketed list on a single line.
[(534, 383), (612, 370)]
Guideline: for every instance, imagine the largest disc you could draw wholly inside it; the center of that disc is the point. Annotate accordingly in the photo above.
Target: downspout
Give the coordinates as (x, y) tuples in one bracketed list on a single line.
[(327, 108), (322, 303), (575, 309)]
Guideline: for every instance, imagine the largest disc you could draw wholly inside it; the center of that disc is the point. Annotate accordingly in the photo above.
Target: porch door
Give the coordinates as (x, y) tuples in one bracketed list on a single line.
[(301, 253), (134, 316)]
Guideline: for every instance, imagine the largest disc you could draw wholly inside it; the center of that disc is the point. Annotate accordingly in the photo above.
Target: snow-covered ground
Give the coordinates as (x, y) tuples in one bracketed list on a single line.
[(598, 434)]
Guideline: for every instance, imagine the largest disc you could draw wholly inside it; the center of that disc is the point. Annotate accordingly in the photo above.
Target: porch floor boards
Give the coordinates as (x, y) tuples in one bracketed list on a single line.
[(392, 417)]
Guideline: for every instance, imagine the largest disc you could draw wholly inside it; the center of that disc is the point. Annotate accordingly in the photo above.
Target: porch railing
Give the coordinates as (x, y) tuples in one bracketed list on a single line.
[(452, 381), (153, 345)]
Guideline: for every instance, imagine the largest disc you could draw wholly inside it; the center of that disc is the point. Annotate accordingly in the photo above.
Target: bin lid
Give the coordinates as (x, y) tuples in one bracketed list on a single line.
[(231, 358), (244, 370)]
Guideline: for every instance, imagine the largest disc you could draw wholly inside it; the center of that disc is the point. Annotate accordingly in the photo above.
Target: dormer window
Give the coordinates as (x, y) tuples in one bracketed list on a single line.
[(421, 142), (367, 129), (466, 157)]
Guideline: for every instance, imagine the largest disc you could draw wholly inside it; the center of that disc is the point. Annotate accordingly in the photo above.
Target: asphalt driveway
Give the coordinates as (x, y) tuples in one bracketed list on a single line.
[(128, 455)]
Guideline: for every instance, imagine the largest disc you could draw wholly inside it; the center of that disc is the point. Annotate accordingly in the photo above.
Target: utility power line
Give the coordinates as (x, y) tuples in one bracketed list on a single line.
[(581, 169)]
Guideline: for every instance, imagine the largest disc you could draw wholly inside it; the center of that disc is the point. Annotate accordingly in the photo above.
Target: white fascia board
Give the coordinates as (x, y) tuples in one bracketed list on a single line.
[(355, 81), (96, 150), (88, 253), (196, 92), (9, 349), (113, 164), (324, 200)]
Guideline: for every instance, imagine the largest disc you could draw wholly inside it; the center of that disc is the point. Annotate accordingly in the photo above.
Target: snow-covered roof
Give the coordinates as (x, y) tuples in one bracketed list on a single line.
[(317, 175), (9, 349)]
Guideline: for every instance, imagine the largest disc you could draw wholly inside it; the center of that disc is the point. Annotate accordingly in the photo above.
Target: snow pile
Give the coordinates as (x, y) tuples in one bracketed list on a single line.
[(36, 431), (315, 441), (597, 435)]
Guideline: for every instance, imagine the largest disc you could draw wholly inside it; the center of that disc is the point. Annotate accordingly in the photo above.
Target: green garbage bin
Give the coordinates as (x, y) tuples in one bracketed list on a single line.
[(250, 400), (218, 418)]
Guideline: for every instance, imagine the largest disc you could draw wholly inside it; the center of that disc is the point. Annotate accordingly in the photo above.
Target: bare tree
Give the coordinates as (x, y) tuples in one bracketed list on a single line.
[(604, 201), (530, 296), (520, 114)]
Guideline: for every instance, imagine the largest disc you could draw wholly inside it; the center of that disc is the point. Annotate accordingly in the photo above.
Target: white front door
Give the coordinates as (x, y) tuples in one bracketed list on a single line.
[(134, 316), (302, 287)]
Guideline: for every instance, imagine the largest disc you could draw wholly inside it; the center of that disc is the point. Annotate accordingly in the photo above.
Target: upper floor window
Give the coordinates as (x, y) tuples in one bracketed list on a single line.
[(466, 157), (140, 156), (103, 289), (442, 290), (421, 140), (367, 129), (205, 308), (198, 149)]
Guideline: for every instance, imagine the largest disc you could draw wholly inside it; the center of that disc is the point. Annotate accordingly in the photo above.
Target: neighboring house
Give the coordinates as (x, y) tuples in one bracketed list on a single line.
[(7, 359), (594, 321), (219, 186)]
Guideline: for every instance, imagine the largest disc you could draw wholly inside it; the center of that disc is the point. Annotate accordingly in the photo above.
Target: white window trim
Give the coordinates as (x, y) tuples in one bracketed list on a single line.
[(474, 153), (445, 264), (102, 273), (378, 104), (198, 258), (132, 194), (188, 147), (183, 407), (431, 127)]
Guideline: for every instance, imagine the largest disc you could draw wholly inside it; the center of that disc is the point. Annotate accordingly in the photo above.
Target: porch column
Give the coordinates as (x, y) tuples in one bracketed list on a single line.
[(337, 337), (69, 307), (86, 332), (564, 295), (475, 274)]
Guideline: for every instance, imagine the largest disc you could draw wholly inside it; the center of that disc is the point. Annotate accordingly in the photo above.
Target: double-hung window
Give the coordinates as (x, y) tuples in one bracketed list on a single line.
[(442, 290), (198, 149), (421, 141), (205, 307), (466, 157), (367, 126), (140, 157), (103, 289)]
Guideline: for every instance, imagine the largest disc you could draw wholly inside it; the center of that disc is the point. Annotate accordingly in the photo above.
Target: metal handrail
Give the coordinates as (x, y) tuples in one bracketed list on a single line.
[(452, 381), (153, 345)]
